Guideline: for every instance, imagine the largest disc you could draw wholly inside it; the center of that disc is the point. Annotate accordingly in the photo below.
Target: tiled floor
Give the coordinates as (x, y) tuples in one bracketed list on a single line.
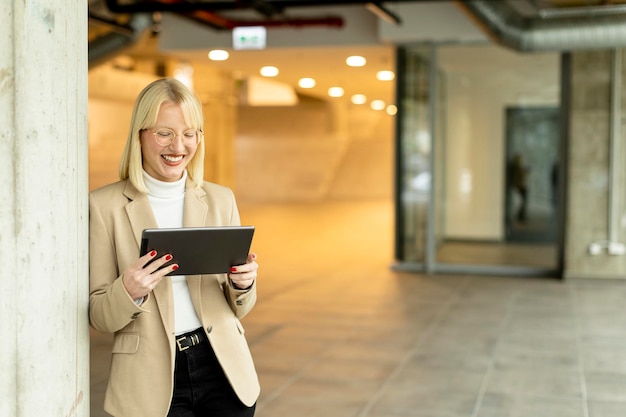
[(336, 333)]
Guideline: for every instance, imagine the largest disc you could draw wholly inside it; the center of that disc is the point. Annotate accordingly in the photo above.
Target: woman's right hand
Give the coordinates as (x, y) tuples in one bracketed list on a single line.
[(139, 279)]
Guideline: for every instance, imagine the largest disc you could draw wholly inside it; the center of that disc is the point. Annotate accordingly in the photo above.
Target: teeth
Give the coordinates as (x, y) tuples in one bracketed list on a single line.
[(172, 158)]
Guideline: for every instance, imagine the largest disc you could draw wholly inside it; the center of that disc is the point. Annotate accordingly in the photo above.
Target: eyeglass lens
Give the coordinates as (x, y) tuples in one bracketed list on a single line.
[(165, 136)]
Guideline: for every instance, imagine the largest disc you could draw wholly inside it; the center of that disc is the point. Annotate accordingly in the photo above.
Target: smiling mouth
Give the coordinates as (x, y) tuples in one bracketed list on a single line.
[(170, 158)]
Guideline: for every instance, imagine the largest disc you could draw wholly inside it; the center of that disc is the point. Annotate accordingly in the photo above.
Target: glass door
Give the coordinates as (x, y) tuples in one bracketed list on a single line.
[(459, 127)]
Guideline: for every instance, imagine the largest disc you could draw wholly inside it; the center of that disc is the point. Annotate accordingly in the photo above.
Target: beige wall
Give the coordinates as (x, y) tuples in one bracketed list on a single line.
[(303, 153), (111, 97), (108, 127)]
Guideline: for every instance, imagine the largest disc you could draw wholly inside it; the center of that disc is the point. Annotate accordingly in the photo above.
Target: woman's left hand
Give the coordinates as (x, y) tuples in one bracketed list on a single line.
[(243, 276)]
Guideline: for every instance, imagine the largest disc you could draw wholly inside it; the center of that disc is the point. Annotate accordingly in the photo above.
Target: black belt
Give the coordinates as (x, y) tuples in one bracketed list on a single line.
[(187, 340)]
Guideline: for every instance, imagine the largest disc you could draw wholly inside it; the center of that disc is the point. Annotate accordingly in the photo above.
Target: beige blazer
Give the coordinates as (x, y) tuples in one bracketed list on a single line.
[(143, 355)]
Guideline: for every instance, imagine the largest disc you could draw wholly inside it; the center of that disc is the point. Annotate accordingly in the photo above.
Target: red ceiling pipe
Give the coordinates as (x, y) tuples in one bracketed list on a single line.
[(182, 7), (223, 23), (220, 22)]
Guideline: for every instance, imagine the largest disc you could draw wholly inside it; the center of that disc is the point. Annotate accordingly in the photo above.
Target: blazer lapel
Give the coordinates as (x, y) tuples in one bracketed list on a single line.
[(139, 212), (141, 217)]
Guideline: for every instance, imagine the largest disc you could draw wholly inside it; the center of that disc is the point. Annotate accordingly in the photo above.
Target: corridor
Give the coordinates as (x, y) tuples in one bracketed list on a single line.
[(337, 333)]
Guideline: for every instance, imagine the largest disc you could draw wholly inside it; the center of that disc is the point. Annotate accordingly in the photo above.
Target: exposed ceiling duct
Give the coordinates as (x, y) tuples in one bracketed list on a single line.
[(115, 41), (272, 10), (119, 37), (265, 7), (555, 32)]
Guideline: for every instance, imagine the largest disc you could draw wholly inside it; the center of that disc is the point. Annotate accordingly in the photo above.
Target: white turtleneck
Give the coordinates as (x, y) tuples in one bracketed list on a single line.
[(167, 200)]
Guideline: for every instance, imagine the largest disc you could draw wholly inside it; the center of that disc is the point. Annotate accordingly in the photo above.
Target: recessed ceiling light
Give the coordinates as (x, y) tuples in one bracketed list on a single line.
[(385, 75), (269, 71), (392, 110), (218, 55), (359, 99), (335, 91), (306, 83), (355, 61), (377, 105)]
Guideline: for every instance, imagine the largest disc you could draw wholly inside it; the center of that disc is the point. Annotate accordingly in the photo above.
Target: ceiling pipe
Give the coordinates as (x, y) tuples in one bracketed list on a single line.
[(201, 13), (216, 6), (110, 24), (506, 27), (110, 44), (294, 22), (220, 22), (587, 11), (381, 11)]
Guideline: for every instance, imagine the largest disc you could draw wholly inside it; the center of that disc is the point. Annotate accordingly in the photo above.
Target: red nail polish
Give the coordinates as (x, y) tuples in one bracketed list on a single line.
[(174, 267), (168, 257), (233, 269), (153, 253)]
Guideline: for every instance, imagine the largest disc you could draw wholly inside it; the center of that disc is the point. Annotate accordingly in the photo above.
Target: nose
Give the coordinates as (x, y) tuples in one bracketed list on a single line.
[(177, 142)]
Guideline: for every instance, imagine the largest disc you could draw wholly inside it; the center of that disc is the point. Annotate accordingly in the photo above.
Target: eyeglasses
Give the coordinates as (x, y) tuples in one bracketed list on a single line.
[(164, 136)]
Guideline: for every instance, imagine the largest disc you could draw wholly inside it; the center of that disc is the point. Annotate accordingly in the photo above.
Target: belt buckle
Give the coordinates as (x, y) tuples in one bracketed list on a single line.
[(181, 348)]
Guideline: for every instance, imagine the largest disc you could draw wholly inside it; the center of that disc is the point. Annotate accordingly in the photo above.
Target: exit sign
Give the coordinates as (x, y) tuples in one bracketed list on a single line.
[(252, 37)]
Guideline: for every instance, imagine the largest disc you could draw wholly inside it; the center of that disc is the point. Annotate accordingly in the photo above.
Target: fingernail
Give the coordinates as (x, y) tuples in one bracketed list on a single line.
[(168, 257), (233, 269), (253, 256), (174, 267), (153, 253)]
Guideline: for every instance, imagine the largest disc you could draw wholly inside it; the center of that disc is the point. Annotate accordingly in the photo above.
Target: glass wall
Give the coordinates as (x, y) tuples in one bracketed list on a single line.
[(477, 155), (413, 154)]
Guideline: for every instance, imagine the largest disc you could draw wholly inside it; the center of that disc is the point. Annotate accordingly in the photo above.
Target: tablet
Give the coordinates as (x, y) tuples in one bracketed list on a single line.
[(200, 250)]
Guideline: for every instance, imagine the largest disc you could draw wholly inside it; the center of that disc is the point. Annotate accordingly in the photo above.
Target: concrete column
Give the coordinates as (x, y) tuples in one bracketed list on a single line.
[(589, 186), (44, 358)]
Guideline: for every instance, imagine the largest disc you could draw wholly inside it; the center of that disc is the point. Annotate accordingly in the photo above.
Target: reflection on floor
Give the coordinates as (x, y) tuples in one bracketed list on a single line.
[(539, 227), (536, 255), (336, 333)]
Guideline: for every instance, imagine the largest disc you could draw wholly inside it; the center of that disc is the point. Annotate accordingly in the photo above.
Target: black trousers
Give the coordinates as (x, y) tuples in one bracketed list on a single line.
[(201, 388)]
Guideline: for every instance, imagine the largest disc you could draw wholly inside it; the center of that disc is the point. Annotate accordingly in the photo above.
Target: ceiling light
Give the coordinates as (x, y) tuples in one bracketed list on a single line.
[(359, 99), (377, 105), (218, 55), (306, 83), (335, 91), (355, 61), (385, 75), (392, 110), (269, 71)]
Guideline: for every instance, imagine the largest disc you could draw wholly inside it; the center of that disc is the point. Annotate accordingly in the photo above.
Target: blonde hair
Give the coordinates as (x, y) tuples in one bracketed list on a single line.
[(145, 114)]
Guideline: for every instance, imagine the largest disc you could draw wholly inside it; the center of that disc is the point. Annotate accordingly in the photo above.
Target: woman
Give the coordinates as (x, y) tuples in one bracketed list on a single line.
[(179, 347)]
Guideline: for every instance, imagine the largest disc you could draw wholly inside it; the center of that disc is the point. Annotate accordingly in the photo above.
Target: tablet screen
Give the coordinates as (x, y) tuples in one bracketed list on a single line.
[(200, 250)]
